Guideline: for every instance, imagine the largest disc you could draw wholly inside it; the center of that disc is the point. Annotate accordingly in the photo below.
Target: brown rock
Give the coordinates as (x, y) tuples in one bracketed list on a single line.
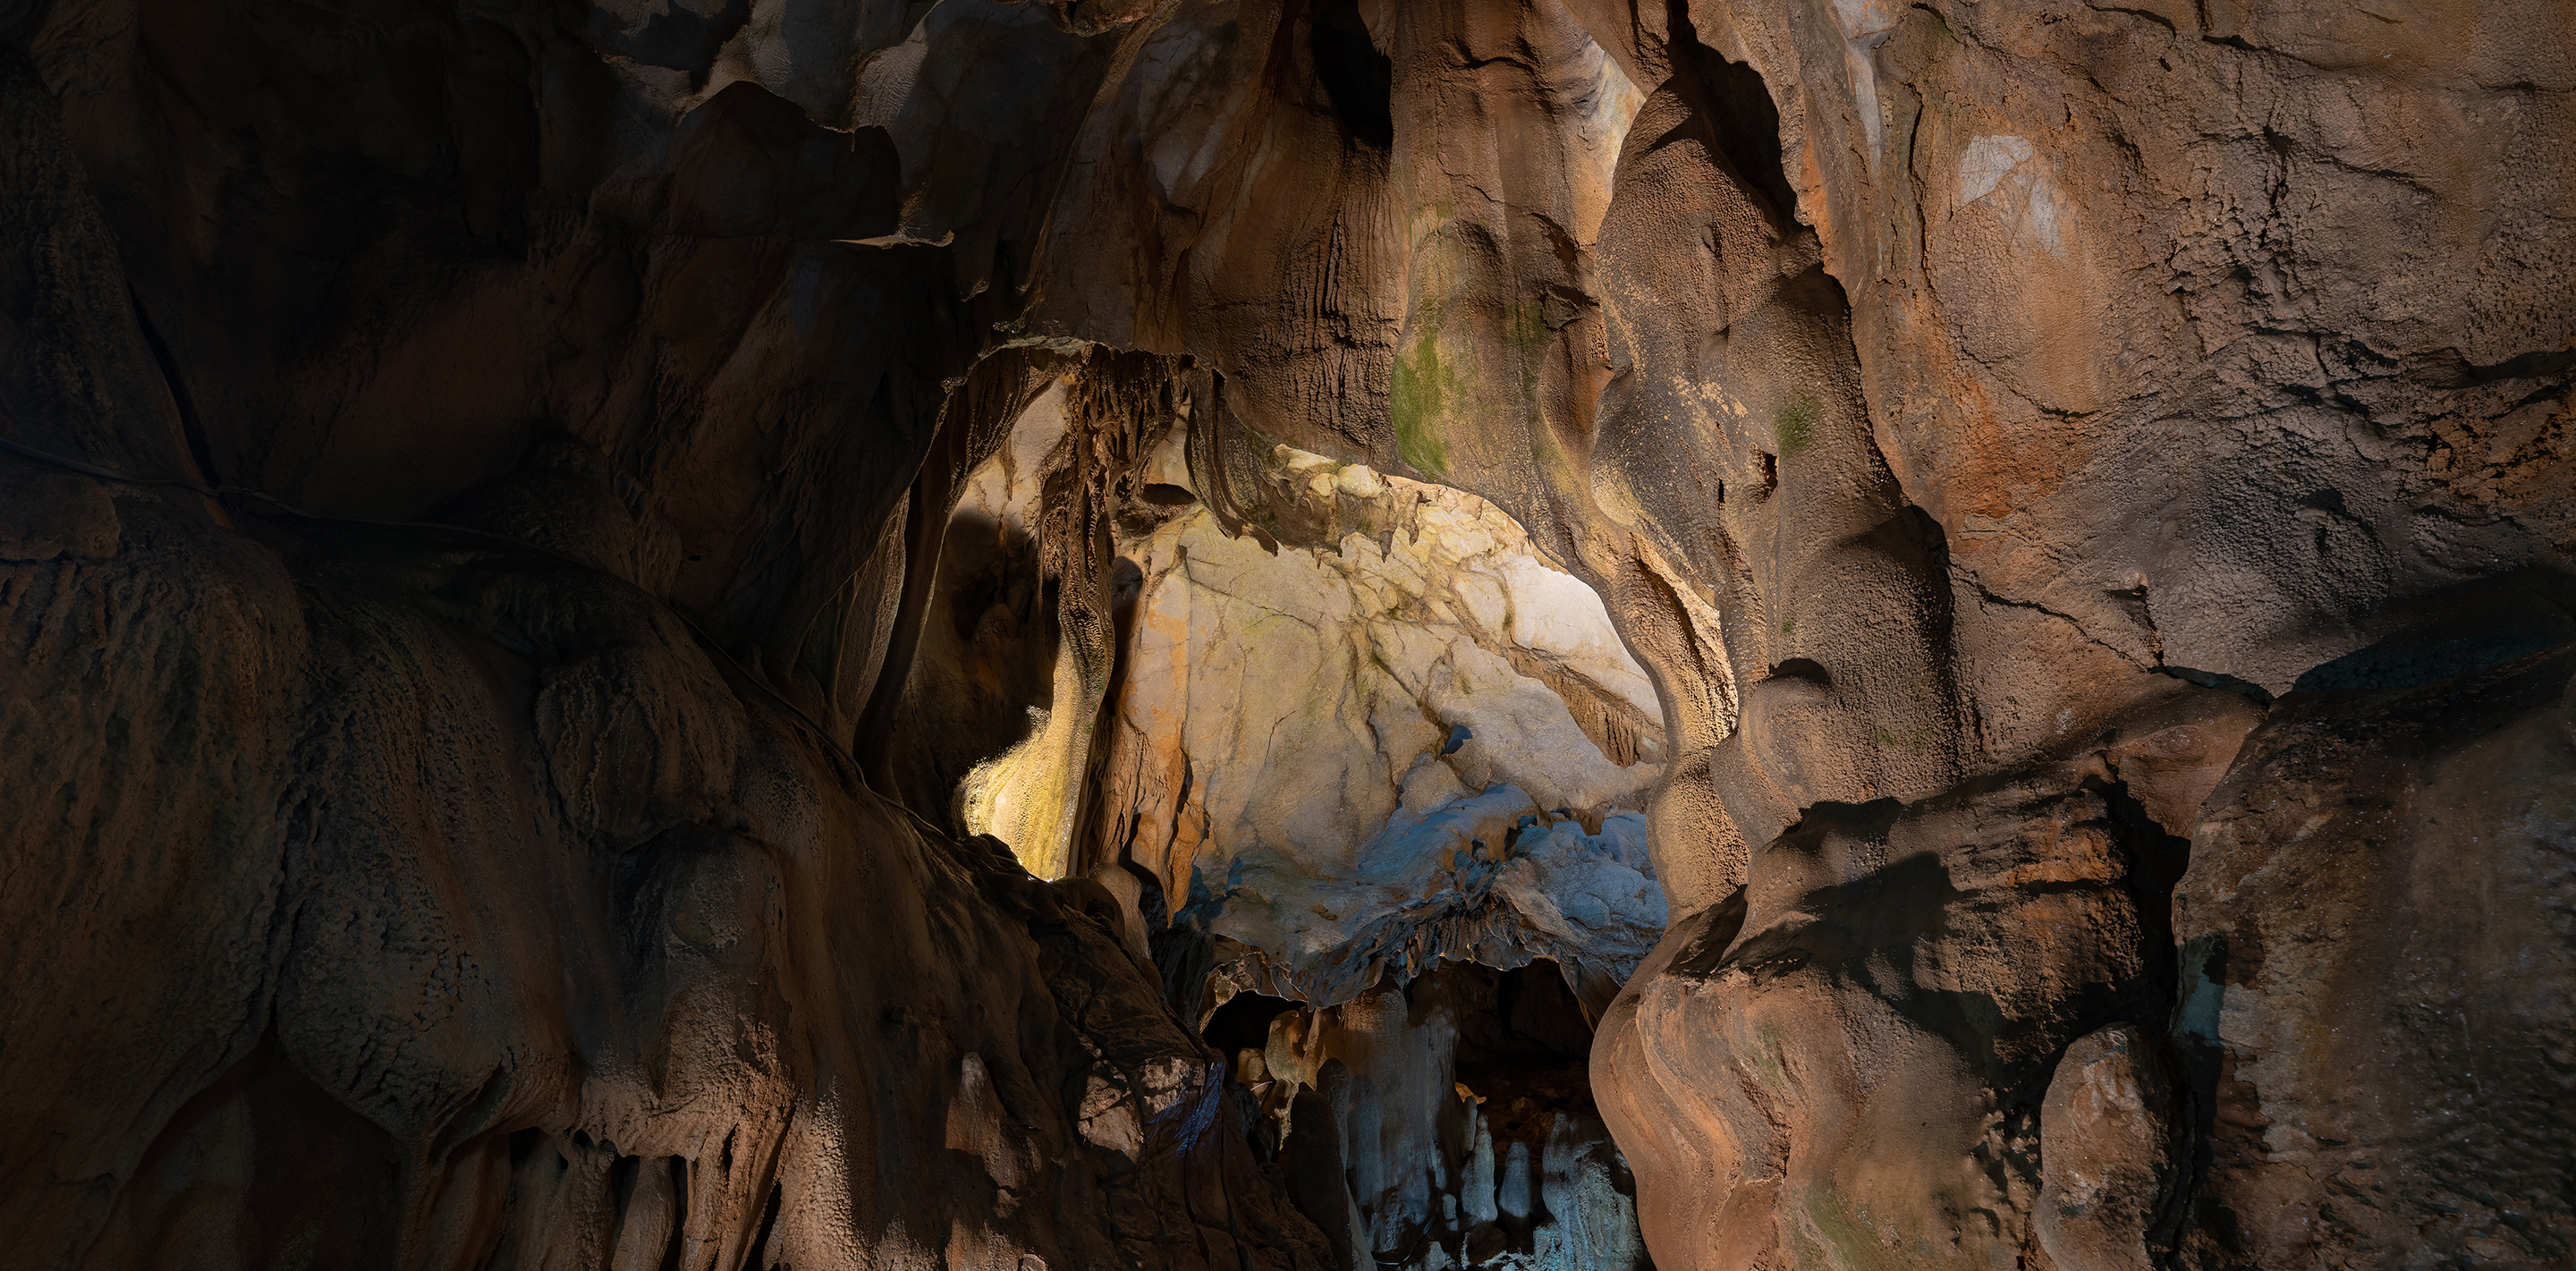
[(1987, 426), (2110, 1167), (2376, 976), (56, 514), (1849, 1059)]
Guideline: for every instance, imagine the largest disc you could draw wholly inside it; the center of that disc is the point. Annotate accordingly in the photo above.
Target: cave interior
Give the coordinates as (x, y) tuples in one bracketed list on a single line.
[(1287, 635)]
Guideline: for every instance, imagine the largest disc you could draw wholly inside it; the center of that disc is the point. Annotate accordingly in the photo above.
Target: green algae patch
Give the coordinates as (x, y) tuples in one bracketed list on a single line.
[(1425, 388), (1848, 1242), (1771, 1055), (1429, 219), (1795, 424), (1915, 741)]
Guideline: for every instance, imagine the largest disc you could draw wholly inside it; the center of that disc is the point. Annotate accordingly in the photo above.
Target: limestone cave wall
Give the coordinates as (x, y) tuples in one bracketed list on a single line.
[(530, 533)]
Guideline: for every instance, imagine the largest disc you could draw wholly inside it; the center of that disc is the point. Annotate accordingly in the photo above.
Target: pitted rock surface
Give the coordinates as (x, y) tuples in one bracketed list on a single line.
[(504, 616)]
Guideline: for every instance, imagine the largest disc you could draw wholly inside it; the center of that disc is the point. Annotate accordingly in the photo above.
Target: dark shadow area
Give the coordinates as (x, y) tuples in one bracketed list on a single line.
[(1356, 77), (1737, 106), (1807, 669), (1523, 1046), (1243, 1023), (305, 1178), (986, 658), (2482, 625)]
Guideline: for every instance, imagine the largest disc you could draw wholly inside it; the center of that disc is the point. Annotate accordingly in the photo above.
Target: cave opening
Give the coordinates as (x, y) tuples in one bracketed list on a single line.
[(1523, 1045), (1365, 771)]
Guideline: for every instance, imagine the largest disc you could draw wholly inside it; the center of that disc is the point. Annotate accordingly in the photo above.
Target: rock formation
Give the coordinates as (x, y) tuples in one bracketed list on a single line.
[(633, 632), (1373, 737)]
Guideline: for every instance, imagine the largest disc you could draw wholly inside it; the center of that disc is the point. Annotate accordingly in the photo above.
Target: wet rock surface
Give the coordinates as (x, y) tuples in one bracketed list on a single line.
[(513, 656)]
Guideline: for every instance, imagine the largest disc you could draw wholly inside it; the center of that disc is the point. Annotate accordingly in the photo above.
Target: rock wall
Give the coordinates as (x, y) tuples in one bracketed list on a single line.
[(1418, 743), (2087, 487), (440, 842), (1350, 766), (2173, 320)]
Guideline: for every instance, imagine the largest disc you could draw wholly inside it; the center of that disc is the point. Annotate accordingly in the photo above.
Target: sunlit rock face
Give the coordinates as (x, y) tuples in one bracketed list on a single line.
[(2087, 486), (1417, 741), (1369, 774), (1357, 759), (996, 657), (1411, 739)]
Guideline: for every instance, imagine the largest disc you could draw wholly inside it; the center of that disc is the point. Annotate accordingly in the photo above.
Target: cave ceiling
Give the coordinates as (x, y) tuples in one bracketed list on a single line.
[(1022, 634)]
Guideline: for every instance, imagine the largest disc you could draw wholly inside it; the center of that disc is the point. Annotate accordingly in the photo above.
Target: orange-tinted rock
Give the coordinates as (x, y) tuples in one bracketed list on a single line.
[(1972, 417), (1847, 1060)]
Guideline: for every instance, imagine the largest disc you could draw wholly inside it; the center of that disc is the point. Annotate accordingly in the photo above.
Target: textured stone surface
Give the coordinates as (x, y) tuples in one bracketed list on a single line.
[(406, 897), (2376, 1011), (1419, 742), (1851, 1056), (2110, 1177), (1988, 427), (494, 897)]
